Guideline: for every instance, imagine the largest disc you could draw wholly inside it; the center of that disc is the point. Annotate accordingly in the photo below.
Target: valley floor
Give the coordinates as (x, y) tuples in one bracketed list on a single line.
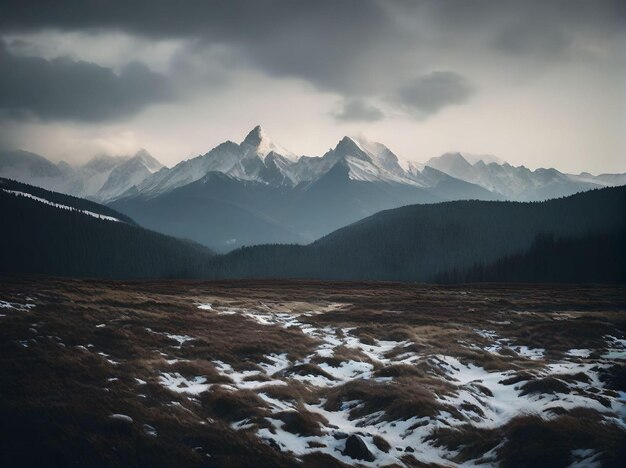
[(263, 373)]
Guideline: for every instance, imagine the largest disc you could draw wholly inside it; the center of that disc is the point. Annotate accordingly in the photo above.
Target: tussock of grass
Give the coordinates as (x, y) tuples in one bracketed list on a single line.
[(302, 422), (517, 378), (233, 406), (307, 369), (399, 370), (293, 392), (400, 400), (615, 377), (534, 441), (381, 444), (549, 385), (190, 369)]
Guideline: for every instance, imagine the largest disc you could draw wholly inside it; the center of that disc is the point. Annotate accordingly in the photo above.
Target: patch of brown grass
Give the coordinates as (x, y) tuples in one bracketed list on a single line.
[(380, 443), (401, 399), (307, 369), (302, 422), (549, 385), (233, 406)]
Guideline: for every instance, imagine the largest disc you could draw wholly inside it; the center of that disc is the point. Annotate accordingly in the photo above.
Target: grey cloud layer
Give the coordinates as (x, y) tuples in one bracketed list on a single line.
[(430, 93), (349, 46), (358, 110), (74, 90), (355, 48)]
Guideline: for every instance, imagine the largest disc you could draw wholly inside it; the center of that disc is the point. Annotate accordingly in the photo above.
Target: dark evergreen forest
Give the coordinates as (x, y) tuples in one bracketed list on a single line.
[(38, 238), (446, 241), (581, 238)]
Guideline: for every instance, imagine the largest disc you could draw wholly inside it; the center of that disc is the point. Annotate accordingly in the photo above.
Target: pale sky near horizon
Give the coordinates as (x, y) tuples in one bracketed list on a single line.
[(538, 83)]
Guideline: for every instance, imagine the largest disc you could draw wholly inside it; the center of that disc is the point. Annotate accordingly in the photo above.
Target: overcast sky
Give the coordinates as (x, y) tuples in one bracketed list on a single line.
[(540, 83)]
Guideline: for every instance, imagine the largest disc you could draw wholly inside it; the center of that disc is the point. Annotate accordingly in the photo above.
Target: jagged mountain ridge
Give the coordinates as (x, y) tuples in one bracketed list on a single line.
[(256, 191), (520, 183), (258, 158), (101, 178)]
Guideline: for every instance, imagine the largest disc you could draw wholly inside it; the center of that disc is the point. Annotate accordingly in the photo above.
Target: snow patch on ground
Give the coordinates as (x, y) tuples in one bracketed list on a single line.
[(16, 305), (478, 396), (582, 353), (179, 384), (498, 343)]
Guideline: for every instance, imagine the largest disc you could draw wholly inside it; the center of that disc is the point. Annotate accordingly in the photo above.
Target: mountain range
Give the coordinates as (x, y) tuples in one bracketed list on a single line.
[(257, 192), (101, 178)]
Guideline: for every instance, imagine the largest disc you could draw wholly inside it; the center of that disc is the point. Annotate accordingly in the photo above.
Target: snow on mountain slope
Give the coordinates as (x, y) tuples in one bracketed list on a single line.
[(128, 174), (60, 206), (382, 156), (94, 174), (257, 158), (514, 183), (453, 164), (259, 142), (34, 169), (366, 161), (608, 180), (101, 177), (486, 158)]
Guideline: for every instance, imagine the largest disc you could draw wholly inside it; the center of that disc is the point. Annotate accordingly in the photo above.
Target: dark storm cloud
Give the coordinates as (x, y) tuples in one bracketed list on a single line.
[(326, 41), (547, 42), (428, 94), (356, 48), (74, 90), (605, 16), (358, 110), (321, 41)]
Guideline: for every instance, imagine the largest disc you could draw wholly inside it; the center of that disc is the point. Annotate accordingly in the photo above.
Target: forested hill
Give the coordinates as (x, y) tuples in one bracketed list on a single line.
[(8, 185), (593, 258), (49, 233), (575, 239), (423, 242)]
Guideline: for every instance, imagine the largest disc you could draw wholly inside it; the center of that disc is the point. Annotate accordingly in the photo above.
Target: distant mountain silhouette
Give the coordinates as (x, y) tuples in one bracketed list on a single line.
[(426, 242)]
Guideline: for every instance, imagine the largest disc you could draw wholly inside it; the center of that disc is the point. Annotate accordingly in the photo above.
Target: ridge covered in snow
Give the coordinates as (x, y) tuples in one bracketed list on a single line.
[(102, 178), (259, 159)]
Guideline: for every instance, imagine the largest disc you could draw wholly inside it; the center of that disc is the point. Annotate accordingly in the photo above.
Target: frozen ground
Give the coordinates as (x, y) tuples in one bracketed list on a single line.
[(322, 374)]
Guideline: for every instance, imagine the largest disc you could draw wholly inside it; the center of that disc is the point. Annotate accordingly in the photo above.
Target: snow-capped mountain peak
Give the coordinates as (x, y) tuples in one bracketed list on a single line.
[(348, 146), (485, 158), (262, 144), (366, 161), (147, 160), (380, 155), (258, 160)]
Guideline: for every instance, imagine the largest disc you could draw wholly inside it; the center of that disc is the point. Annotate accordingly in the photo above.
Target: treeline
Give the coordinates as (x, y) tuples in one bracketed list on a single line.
[(62, 199), (38, 238), (599, 258), (574, 239), (419, 242)]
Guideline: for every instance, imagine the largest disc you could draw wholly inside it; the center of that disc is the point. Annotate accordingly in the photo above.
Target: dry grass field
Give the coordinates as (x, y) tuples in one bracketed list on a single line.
[(263, 373)]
